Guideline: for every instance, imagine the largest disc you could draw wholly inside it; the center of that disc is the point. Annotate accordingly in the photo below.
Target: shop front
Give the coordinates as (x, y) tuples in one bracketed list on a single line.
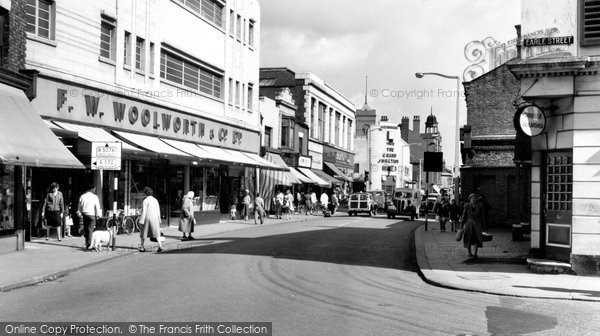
[(27, 144), (168, 150)]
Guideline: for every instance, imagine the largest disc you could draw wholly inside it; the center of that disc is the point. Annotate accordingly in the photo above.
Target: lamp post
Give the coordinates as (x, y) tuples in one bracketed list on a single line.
[(457, 130), (368, 131)]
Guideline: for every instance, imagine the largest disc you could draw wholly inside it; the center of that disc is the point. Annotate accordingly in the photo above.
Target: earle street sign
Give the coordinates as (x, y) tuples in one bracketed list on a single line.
[(547, 41), (106, 155)]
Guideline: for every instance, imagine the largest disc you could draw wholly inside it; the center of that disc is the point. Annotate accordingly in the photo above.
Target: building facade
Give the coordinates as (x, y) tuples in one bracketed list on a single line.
[(558, 71), (26, 143), (383, 157), (420, 142), (490, 167), (323, 127), (181, 99)]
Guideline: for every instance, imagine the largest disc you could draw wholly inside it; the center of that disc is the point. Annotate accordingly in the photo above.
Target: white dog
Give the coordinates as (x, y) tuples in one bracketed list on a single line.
[(100, 237)]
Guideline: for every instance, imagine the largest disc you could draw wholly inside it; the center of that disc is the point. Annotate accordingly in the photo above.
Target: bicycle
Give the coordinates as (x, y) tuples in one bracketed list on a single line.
[(125, 224)]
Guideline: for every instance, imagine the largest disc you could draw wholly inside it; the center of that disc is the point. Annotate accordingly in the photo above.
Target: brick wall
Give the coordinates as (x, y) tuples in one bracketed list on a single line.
[(489, 100), (17, 37)]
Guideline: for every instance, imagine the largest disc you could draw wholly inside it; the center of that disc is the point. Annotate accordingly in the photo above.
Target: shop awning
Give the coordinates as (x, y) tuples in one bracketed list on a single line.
[(24, 137), (326, 177), (314, 177), (287, 177), (267, 164), (150, 143), (95, 134), (337, 172), (300, 176)]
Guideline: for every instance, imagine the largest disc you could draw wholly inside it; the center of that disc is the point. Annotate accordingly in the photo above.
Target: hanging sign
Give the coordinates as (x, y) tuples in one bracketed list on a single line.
[(106, 156), (530, 120)]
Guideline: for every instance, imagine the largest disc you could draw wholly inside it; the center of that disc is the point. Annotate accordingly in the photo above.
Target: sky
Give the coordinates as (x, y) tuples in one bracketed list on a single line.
[(344, 41)]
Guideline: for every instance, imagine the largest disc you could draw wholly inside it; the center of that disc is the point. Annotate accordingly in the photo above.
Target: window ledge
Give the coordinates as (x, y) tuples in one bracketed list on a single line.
[(107, 60), (43, 40), (127, 67), (140, 72)]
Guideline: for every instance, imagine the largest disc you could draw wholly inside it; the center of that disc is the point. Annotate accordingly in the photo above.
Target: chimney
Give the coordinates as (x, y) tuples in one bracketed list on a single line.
[(404, 129), (518, 28), (417, 125), (384, 118)]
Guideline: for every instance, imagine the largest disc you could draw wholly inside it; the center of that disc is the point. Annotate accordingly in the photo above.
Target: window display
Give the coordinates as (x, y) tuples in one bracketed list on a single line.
[(7, 185)]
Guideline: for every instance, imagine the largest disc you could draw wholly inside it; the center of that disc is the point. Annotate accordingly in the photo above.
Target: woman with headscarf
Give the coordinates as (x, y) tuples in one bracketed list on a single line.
[(472, 222), (186, 223)]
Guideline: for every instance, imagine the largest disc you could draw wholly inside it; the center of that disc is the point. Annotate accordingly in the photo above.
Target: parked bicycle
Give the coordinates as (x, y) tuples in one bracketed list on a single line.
[(125, 223)]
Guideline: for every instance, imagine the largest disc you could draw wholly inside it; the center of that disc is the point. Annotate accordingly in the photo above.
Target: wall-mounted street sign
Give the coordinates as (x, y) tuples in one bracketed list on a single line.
[(530, 120), (547, 41), (106, 155)]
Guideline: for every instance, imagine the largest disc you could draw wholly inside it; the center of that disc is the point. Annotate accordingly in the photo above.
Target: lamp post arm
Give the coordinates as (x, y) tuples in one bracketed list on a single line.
[(421, 74)]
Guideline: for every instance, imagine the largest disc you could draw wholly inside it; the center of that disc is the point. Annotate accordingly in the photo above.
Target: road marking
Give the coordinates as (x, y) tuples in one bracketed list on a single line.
[(344, 224)]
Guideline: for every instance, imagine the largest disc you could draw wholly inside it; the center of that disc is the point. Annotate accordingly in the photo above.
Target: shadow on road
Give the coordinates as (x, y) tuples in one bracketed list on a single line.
[(389, 247)]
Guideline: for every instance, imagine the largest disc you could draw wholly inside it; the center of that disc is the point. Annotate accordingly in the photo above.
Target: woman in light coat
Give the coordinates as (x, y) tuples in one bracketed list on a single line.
[(186, 223), (150, 220)]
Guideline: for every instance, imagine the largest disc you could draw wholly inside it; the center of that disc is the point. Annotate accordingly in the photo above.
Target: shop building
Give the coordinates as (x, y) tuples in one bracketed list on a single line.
[(558, 71), (325, 153), (26, 143), (175, 82), (384, 158)]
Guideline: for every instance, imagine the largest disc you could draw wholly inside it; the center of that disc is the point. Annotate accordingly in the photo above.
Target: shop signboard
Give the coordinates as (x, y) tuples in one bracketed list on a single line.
[(106, 156)]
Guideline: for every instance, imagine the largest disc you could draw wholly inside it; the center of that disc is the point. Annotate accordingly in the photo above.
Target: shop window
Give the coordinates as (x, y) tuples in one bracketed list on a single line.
[(40, 18), (7, 187)]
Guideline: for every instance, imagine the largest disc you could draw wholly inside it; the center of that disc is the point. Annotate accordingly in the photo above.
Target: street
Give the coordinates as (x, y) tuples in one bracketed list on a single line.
[(325, 276)]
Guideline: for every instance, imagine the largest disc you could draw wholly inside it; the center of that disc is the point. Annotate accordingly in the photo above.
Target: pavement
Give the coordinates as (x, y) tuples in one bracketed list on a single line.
[(500, 268)]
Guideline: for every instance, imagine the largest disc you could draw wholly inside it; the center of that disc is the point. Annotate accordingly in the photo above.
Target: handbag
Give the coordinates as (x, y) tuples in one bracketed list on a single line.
[(459, 234)]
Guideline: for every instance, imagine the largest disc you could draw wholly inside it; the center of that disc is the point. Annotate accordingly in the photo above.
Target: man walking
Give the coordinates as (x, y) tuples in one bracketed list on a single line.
[(89, 209)]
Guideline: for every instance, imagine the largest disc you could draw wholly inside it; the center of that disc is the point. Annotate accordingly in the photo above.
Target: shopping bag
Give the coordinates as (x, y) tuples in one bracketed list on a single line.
[(487, 237)]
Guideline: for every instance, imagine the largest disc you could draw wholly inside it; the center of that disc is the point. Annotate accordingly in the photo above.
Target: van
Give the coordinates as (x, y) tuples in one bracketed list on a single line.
[(405, 202), (360, 202)]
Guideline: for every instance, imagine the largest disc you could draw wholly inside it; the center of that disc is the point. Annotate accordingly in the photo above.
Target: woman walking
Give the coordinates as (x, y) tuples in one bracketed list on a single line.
[(473, 221), (150, 220), (53, 210), (187, 221)]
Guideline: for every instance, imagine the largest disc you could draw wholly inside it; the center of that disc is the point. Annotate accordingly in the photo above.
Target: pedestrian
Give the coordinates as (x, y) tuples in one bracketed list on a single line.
[(313, 202), (324, 201), (454, 215), (259, 209), (472, 222), (335, 202), (150, 220), (298, 202), (246, 201), (288, 204), (279, 204), (89, 210), (187, 221), (68, 222), (53, 210), (443, 213), (307, 203)]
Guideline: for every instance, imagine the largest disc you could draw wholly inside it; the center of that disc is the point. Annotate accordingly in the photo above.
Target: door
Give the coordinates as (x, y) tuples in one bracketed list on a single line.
[(557, 205)]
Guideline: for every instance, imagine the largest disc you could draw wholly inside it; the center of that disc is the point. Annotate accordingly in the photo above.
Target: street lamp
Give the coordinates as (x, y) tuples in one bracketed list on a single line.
[(368, 131), (457, 140)]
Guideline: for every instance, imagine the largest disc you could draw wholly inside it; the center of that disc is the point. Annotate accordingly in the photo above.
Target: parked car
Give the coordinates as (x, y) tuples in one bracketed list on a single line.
[(405, 202), (360, 203), (428, 202), (378, 200)]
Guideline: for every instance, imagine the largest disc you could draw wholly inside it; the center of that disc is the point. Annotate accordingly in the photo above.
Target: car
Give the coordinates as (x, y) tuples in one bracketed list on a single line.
[(428, 202), (378, 200), (405, 202), (360, 203)]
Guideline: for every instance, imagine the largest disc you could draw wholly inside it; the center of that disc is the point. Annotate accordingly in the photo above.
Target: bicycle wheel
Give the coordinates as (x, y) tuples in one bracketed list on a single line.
[(128, 225), (109, 223)]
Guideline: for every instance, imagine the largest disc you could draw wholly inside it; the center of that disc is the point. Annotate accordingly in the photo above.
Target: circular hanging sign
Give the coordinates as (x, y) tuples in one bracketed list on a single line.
[(530, 120)]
